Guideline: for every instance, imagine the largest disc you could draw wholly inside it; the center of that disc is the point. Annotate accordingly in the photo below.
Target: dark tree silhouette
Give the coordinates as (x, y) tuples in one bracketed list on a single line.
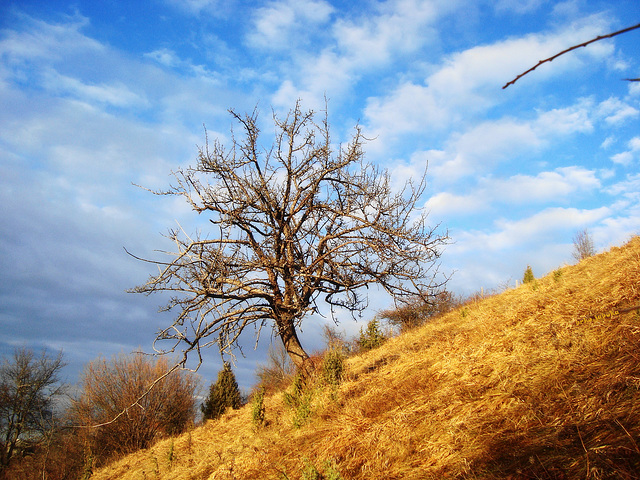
[(28, 388)]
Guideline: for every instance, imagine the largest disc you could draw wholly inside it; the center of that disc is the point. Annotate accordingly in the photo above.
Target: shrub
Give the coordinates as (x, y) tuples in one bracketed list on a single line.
[(335, 339), (557, 274), (372, 337), (258, 410), (222, 394), (528, 275), (299, 400), (419, 309), (583, 245), (278, 371), (333, 367), (131, 401)]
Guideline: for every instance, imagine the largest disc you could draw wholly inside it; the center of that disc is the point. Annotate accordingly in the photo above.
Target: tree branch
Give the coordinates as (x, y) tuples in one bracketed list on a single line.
[(550, 59)]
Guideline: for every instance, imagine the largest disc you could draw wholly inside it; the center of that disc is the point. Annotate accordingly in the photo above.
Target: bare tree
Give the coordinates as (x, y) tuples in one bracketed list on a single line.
[(290, 223), (28, 388), (580, 45), (583, 245)]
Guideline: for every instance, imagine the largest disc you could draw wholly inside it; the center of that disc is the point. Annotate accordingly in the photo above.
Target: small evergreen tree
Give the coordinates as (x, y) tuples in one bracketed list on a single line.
[(222, 394), (528, 275), (372, 337)]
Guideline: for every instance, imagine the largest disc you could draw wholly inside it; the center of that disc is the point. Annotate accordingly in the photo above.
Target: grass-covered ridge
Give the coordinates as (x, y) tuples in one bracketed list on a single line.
[(536, 382)]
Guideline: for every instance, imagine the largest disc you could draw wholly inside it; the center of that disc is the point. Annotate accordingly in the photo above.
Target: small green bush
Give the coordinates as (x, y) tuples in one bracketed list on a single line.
[(557, 274), (333, 367), (258, 410), (528, 275), (310, 472), (372, 337), (299, 401)]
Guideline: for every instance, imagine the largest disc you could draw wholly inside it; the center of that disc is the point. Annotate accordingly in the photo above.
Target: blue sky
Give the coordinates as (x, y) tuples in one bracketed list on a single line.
[(97, 96)]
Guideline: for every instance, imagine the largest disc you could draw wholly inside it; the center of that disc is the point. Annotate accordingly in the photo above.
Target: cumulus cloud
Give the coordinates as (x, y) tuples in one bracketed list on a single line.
[(468, 82), (398, 27), (284, 23), (352, 47), (627, 157), (628, 188), (616, 111)]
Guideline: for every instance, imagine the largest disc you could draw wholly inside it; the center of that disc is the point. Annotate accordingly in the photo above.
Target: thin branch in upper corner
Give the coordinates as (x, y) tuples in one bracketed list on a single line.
[(552, 58)]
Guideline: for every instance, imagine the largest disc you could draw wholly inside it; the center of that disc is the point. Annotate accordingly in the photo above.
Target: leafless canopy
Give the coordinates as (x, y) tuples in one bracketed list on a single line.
[(289, 224), (583, 245)]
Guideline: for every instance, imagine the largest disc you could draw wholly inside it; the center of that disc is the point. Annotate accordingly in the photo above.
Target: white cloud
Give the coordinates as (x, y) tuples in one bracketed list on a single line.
[(353, 47), (509, 234), (607, 142), (544, 187), (398, 27), (550, 186), (615, 111), (627, 157), (326, 74), (518, 6), (284, 23), (623, 158), (468, 83), (118, 94), (195, 7), (445, 204), (486, 144), (409, 108), (34, 45), (165, 57), (565, 121), (629, 188)]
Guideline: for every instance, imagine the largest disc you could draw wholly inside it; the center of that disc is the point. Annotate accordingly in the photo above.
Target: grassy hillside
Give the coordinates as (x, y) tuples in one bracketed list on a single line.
[(525, 384)]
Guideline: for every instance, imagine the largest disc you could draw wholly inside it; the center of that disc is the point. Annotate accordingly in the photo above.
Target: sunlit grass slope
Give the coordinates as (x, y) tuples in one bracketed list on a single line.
[(511, 386)]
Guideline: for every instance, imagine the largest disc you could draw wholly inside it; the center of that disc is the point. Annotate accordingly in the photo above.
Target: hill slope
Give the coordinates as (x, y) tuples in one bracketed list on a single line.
[(518, 385)]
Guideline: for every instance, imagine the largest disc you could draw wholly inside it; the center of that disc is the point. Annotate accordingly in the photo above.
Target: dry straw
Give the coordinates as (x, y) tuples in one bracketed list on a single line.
[(515, 386)]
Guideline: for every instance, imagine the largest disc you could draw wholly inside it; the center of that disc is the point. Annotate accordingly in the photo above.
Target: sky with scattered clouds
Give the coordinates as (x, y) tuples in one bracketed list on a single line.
[(98, 96)]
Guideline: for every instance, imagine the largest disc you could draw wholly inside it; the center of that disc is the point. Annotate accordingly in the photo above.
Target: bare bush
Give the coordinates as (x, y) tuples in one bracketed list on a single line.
[(420, 309), (120, 411), (583, 245), (278, 372)]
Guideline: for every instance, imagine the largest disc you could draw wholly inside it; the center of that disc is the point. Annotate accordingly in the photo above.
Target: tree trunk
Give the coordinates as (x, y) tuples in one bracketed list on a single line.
[(293, 347)]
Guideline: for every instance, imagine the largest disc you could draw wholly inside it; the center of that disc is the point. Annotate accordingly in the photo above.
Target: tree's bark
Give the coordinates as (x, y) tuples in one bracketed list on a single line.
[(292, 345)]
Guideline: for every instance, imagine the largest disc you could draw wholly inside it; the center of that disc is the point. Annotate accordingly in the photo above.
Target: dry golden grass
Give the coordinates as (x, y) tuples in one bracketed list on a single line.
[(512, 386)]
